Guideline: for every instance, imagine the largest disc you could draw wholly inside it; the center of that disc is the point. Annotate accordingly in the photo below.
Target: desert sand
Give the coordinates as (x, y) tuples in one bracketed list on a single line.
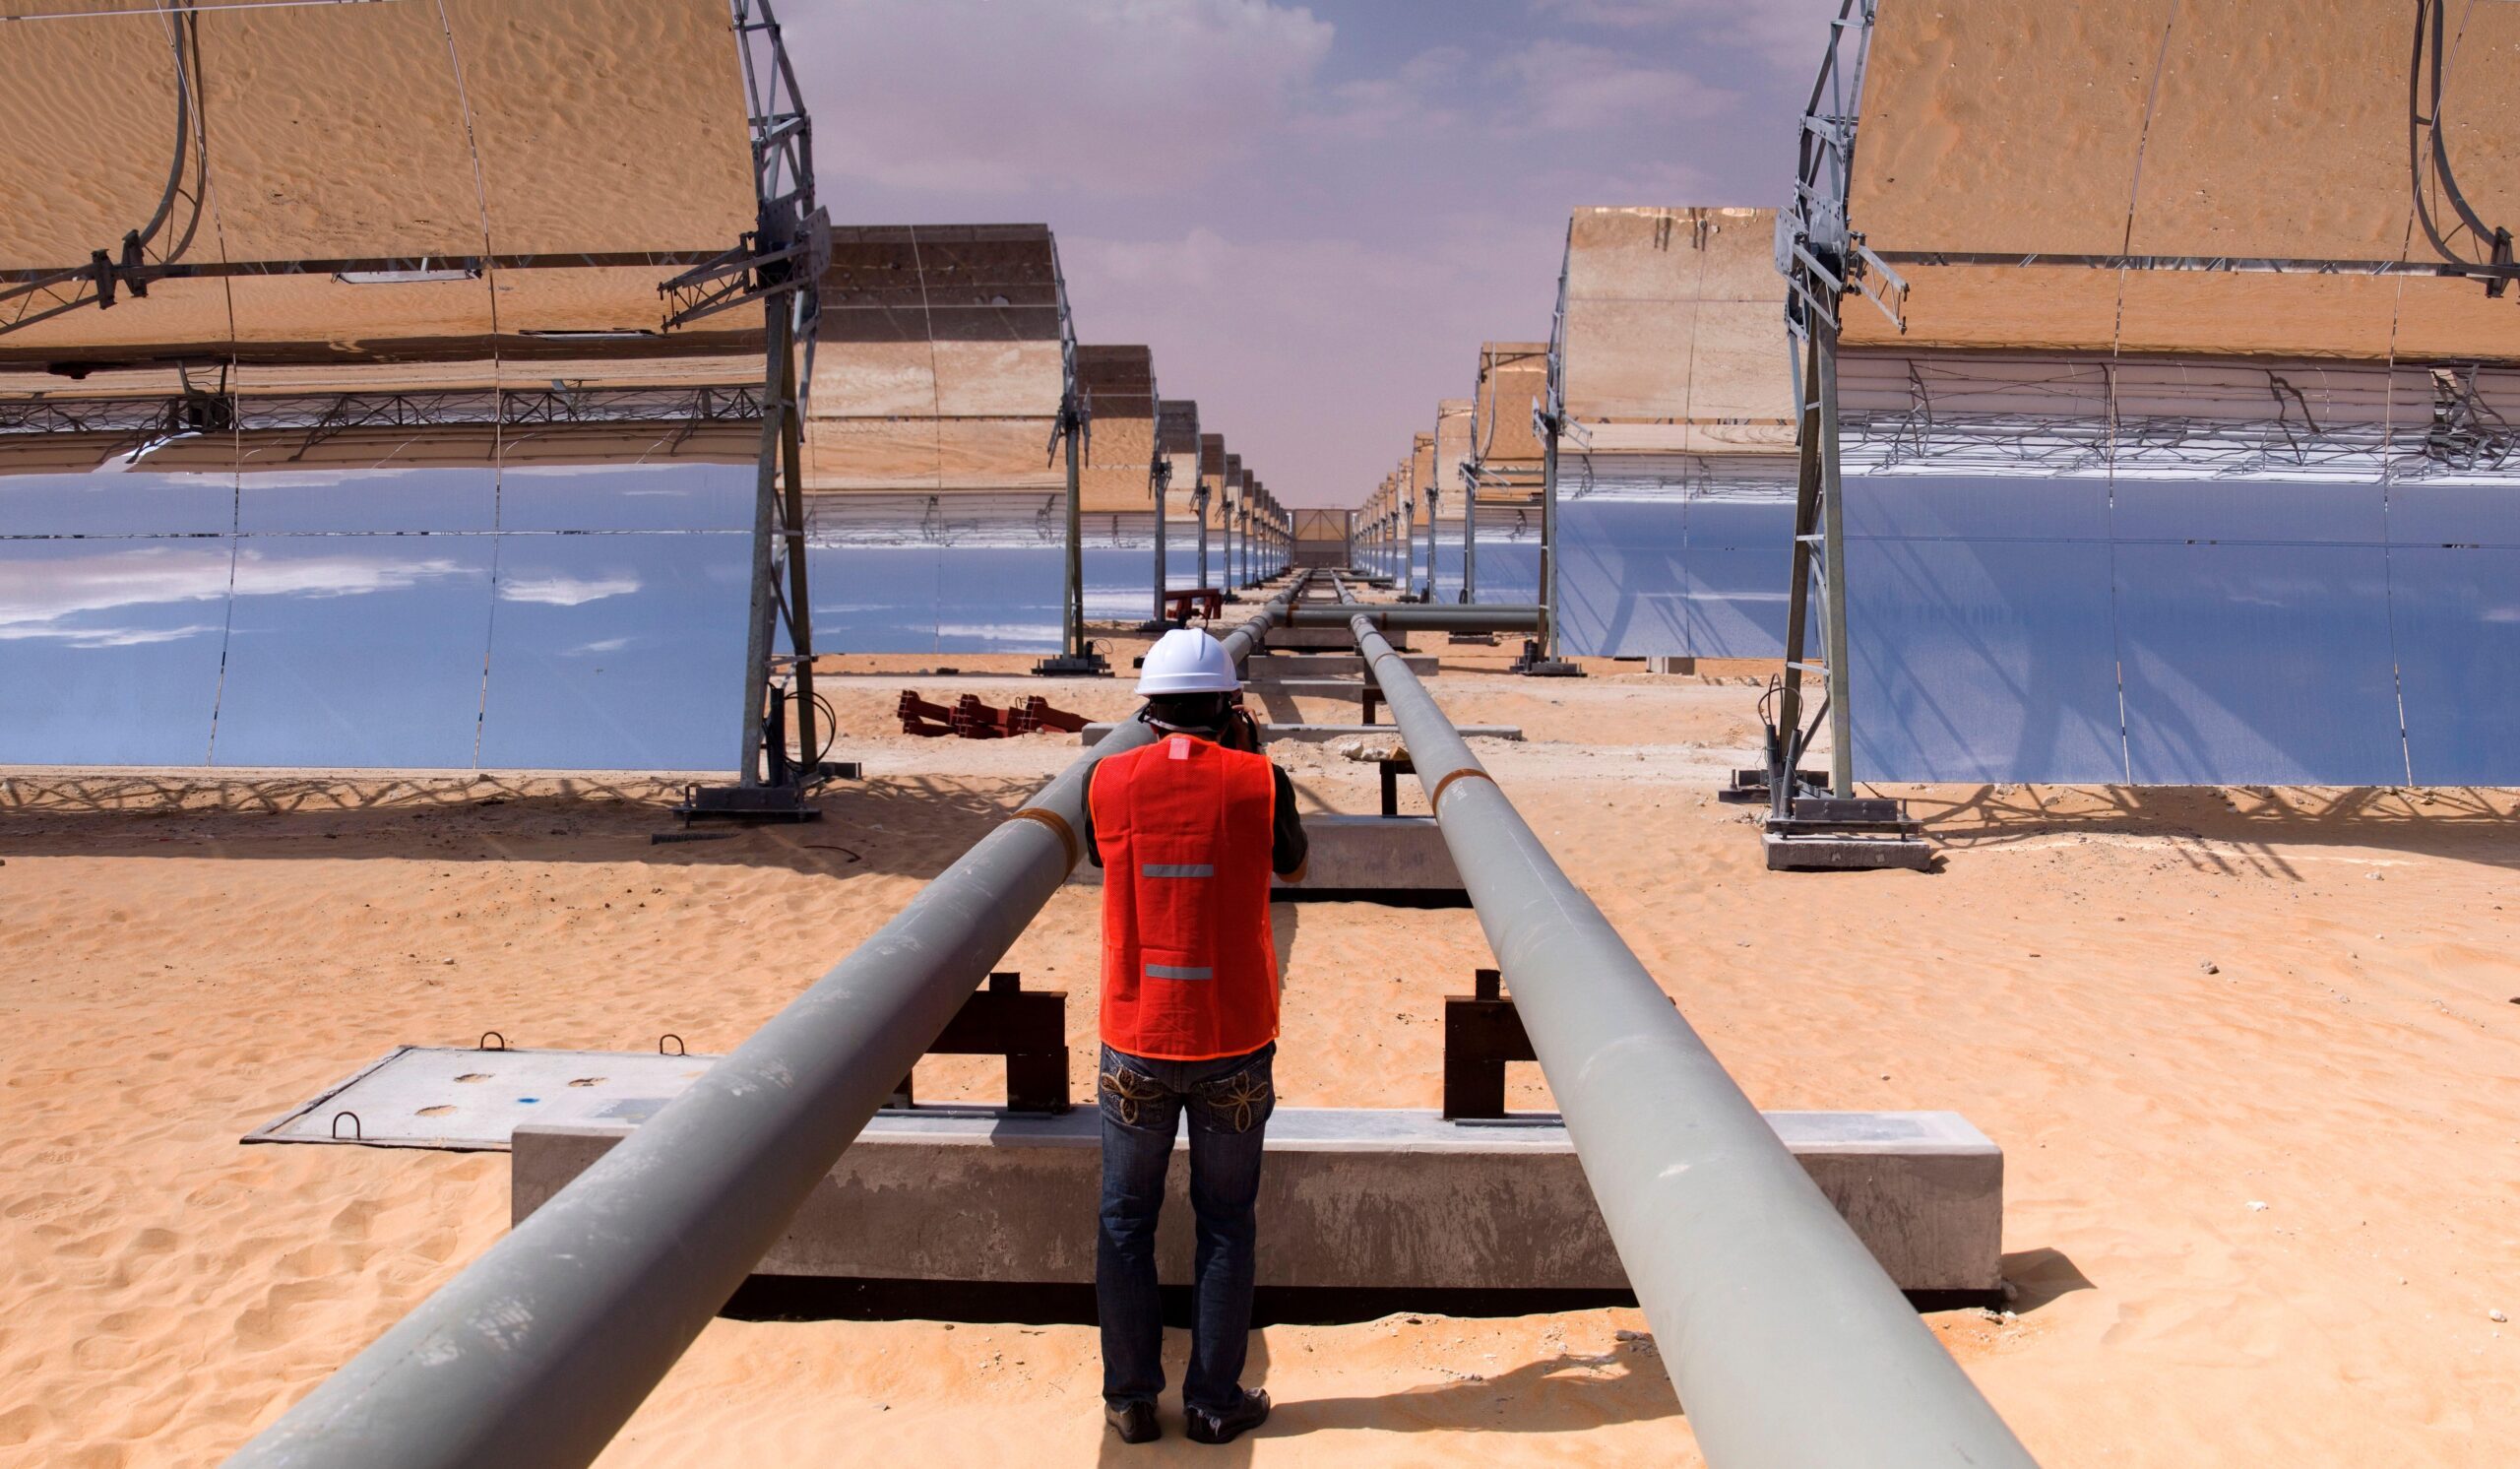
[(2250, 1053)]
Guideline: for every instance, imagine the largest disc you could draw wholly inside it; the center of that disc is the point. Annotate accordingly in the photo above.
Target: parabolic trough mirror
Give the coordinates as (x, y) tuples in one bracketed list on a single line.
[(2180, 572), (378, 611)]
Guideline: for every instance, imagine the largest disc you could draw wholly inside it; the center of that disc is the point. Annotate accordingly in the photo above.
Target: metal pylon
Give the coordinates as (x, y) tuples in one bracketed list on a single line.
[(778, 556), (1819, 572)]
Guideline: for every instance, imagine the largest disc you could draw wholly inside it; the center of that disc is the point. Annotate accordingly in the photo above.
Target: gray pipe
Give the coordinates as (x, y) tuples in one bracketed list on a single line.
[(539, 1351), (1789, 1347)]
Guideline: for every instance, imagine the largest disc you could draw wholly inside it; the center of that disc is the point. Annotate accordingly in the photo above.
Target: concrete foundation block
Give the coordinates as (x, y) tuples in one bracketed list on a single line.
[(1261, 665), (1666, 664), (1325, 639), (1847, 854), (1349, 1199), (1358, 855), (1351, 690)]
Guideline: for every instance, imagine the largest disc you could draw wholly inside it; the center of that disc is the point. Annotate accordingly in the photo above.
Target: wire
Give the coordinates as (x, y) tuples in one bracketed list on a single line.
[(2431, 26), (103, 268), (830, 734)]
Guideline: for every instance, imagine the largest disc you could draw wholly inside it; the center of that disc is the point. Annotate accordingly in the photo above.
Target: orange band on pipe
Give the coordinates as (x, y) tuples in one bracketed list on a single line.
[(1435, 796), (1057, 823)]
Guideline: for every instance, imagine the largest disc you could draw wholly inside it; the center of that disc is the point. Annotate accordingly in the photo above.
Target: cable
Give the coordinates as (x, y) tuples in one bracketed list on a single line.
[(2431, 26), (103, 268)]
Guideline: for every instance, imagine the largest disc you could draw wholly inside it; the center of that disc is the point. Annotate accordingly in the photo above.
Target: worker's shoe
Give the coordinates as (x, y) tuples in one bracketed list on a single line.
[(1135, 1422), (1232, 1422)]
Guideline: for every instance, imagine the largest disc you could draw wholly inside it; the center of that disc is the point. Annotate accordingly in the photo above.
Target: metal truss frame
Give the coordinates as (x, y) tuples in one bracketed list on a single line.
[(1823, 260), (778, 265), (322, 415), (1549, 423), (1159, 479), (790, 243), (1072, 431), (2308, 421)]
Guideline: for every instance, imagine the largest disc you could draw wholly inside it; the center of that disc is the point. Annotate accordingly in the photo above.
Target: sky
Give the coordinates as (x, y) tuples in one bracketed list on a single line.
[(1313, 214)]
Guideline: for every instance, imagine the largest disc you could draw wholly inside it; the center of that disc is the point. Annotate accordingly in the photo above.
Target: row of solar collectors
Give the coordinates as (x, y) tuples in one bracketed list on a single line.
[(985, 573), (2003, 627), (2090, 630), (423, 618), (1504, 565), (453, 617)]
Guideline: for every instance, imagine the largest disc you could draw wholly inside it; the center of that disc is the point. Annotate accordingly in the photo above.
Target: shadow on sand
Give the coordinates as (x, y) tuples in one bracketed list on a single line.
[(912, 826), (1565, 1392), (2228, 829)]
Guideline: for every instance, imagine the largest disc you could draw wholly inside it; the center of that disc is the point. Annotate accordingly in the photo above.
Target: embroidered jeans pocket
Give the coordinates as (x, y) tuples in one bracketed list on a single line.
[(1131, 1098), (1238, 1101)]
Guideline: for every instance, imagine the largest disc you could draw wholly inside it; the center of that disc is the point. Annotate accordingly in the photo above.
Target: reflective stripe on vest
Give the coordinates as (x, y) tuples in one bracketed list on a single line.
[(1189, 968)]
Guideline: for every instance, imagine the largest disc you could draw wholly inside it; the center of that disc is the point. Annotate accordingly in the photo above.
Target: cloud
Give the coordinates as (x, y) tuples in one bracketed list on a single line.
[(39, 599), (1421, 99), (1567, 87), (1106, 97), (1791, 34), (566, 590), (342, 575), (103, 637), (600, 645), (1313, 230), (1308, 353)]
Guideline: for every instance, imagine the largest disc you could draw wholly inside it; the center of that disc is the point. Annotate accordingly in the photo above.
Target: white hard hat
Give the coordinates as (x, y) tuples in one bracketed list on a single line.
[(1186, 660)]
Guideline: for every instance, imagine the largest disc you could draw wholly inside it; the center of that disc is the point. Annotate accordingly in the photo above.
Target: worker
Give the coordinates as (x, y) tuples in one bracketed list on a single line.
[(1187, 830)]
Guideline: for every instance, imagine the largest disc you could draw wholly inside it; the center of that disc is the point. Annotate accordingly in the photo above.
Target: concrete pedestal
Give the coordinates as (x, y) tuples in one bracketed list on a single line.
[(1261, 665), (1348, 690), (1325, 639), (1349, 1199), (1358, 855)]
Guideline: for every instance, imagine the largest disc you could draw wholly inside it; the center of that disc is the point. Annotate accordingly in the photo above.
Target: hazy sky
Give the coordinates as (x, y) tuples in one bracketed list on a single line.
[(1312, 212)]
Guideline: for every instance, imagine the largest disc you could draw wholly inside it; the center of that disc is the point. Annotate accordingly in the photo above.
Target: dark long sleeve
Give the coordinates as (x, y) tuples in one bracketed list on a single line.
[(1092, 848), (1288, 847)]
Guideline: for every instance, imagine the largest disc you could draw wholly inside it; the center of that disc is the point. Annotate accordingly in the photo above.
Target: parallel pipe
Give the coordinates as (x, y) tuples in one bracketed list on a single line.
[(1416, 617), (539, 1350), (1788, 1343)]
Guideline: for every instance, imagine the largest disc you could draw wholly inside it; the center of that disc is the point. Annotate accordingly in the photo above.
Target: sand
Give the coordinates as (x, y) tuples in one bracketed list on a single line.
[(2169, 1008)]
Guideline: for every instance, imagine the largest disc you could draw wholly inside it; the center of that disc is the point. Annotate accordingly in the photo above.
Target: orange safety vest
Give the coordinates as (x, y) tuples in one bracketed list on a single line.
[(1189, 967)]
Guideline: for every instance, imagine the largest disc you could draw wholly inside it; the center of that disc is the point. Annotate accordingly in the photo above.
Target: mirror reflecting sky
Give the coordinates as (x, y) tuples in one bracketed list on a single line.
[(383, 614)]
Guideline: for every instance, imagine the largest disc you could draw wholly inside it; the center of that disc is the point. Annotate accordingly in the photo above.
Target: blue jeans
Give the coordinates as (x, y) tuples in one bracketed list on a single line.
[(1229, 1101)]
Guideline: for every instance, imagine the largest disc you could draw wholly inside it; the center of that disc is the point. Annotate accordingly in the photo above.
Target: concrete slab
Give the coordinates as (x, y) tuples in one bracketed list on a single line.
[(1357, 855), (1326, 665), (1350, 1199), (1847, 854), (1352, 690), (1323, 733), (457, 1099)]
